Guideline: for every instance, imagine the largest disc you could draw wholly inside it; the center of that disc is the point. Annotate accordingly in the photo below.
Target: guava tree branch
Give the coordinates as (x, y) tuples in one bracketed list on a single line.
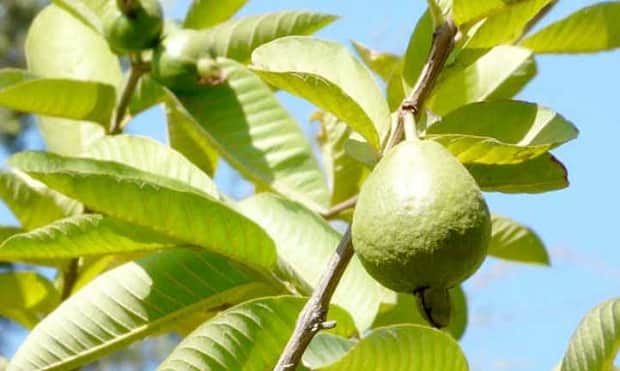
[(137, 69), (312, 317)]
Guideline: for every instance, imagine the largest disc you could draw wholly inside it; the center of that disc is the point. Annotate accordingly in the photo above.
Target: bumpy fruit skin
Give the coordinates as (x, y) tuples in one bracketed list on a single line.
[(420, 221), (139, 30)]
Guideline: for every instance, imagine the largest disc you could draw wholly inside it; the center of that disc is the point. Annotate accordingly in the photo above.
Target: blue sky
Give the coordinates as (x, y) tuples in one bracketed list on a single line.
[(521, 317)]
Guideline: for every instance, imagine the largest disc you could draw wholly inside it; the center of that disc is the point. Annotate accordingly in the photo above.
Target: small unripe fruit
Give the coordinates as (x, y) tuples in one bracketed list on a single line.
[(132, 25)]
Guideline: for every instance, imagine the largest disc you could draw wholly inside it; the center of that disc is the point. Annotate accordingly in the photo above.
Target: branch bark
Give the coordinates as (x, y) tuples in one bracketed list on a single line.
[(312, 317)]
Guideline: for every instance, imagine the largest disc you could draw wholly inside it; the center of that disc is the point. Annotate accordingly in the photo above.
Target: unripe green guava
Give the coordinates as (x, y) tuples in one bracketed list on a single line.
[(136, 29), (421, 221)]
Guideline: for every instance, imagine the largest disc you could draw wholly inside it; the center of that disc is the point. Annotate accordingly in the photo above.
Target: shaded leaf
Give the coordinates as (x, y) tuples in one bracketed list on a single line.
[(133, 301), (147, 94), (410, 347), (541, 174), (7, 231), (417, 51), (87, 11), (325, 349), (26, 297), (73, 99), (207, 13), (383, 64), (591, 29), (594, 345), (164, 205), (306, 242), (247, 125), (249, 336), (326, 74), (516, 242)]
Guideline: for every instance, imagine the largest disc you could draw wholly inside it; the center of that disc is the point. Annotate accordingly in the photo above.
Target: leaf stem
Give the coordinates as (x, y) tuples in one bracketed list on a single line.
[(340, 207), (137, 69), (69, 278), (314, 313)]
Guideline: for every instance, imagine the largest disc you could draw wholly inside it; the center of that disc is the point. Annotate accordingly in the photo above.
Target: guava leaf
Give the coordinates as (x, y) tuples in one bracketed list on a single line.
[(72, 99), (595, 343), (60, 46), (591, 29), (87, 11), (439, 10), (166, 206), (7, 231), (326, 74), (467, 11), (237, 38), (32, 202), (81, 235), (325, 349), (249, 336), (207, 13), (417, 51), (480, 80), (26, 297), (515, 242), (147, 94), (541, 174), (307, 250), (247, 125), (411, 347), (383, 64), (133, 301), (188, 137)]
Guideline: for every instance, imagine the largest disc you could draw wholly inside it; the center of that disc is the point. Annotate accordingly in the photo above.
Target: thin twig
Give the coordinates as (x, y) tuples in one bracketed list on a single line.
[(69, 278), (340, 207), (312, 318), (137, 69)]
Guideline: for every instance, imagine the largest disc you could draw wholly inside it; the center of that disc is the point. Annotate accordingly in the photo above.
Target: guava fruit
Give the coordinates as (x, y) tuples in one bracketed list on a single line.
[(421, 223), (137, 28), (184, 62)]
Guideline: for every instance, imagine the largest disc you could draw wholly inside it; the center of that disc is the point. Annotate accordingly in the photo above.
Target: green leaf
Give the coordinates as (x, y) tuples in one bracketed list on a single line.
[(207, 13), (326, 74), (345, 174), (409, 347), (325, 349), (73, 99), (439, 10), (257, 136), (133, 301), (541, 174), (417, 51), (147, 94), (7, 231), (250, 336), (32, 202), (595, 343), (81, 235), (383, 64), (590, 29), (26, 297), (479, 80), (60, 46), (516, 242), (507, 25), (87, 11), (188, 137), (152, 157), (164, 205), (467, 11), (236, 39), (305, 242)]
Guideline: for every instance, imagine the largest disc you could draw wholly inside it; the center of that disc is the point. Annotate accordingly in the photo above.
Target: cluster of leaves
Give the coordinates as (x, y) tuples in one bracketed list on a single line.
[(146, 244)]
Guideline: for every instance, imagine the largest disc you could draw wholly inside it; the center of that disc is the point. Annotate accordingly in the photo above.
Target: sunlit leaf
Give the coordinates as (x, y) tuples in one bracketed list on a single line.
[(250, 336), (7, 231), (591, 29), (207, 13), (147, 94), (326, 74), (594, 345), (26, 297), (417, 50), (133, 301), (325, 349), (383, 64), (88, 11), (466, 11), (516, 242)]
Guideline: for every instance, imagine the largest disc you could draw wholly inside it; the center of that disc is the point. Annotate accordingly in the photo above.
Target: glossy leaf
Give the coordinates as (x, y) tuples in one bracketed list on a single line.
[(479, 80), (7, 231), (26, 297), (249, 336), (59, 45), (594, 345), (325, 349), (307, 251), (591, 29), (87, 11), (383, 64), (403, 347), (257, 136), (236, 39), (152, 157), (417, 50), (467, 11), (326, 74), (516, 242), (131, 302), (542, 174), (33, 203), (81, 235), (163, 205), (207, 13), (73, 99), (189, 138), (345, 174)]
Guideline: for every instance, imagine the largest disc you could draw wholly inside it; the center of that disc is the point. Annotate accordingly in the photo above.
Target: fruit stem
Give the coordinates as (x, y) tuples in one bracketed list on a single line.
[(128, 7), (411, 133), (313, 315), (137, 69)]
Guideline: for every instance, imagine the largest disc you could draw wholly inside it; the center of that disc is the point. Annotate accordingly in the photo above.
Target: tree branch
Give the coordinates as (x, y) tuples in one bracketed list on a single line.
[(340, 207), (69, 278), (137, 69), (312, 318)]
